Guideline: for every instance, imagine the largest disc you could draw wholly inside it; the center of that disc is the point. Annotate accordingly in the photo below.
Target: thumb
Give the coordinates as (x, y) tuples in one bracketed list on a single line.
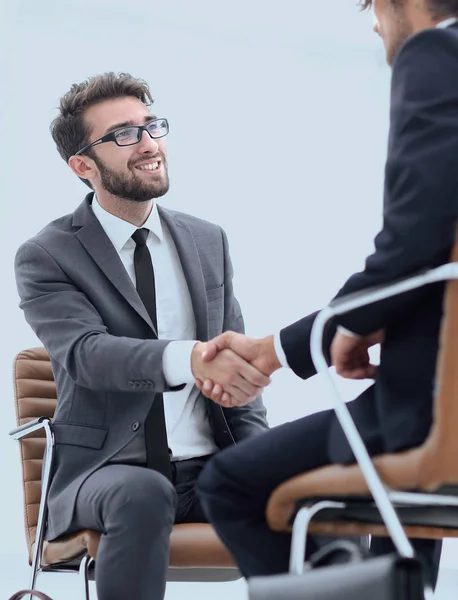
[(217, 344)]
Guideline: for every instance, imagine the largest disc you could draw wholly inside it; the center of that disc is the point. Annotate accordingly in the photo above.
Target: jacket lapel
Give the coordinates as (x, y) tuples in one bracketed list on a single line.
[(95, 241), (192, 268)]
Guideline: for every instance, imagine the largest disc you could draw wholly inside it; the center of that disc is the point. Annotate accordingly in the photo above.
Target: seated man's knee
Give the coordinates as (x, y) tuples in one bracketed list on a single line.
[(144, 495), (211, 478)]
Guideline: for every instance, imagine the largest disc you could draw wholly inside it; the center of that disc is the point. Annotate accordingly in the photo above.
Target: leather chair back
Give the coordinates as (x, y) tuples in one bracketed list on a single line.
[(35, 396), (439, 464)]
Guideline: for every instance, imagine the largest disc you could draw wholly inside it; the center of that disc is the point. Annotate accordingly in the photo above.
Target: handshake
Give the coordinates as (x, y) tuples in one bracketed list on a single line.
[(233, 369)]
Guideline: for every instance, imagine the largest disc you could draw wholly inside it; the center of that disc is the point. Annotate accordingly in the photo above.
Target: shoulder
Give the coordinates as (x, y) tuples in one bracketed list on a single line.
[(428, 52), (55, 233), (198, 226)]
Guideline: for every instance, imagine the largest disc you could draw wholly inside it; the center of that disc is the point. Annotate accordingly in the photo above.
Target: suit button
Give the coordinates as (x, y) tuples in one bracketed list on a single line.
[(151, 384), (131, 384), (135, 425)]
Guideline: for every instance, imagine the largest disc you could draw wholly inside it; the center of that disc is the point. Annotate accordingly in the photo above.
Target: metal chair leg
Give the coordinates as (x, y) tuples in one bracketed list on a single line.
[(36, 568), (299, 535), (84, 568)]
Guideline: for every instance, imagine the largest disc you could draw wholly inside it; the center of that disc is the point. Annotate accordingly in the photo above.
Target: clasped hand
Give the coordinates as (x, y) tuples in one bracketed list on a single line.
[(350, 355), (233, 369)]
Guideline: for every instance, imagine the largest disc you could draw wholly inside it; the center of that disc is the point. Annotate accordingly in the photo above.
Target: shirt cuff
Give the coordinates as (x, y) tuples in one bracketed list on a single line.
[(176, 363), (341, 329), (279, 351)]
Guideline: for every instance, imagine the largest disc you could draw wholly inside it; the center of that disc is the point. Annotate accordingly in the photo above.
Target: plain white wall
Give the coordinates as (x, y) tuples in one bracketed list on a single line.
[(279, 120)]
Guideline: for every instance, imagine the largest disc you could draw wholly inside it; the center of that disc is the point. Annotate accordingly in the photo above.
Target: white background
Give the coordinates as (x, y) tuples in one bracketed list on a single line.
[(279, 121)]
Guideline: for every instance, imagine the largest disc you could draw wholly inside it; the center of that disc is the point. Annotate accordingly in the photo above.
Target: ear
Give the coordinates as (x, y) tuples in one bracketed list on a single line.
[(83, 166)]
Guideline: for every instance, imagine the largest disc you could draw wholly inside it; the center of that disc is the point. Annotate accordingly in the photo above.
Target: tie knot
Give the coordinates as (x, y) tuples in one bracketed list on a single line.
[(140, 236)]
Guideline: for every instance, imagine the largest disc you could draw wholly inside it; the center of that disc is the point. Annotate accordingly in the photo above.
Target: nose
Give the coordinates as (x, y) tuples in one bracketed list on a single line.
[(147, 143)]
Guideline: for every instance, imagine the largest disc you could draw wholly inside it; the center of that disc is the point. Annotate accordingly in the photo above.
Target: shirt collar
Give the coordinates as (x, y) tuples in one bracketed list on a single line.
[(447, 22), (119, 231)]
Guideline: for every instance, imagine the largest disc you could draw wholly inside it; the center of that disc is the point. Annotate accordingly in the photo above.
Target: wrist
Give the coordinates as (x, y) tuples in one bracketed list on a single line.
[(268, 350), (196, 358)]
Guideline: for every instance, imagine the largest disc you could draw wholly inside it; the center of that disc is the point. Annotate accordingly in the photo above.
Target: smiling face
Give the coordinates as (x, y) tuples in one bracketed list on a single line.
[(137, 172)]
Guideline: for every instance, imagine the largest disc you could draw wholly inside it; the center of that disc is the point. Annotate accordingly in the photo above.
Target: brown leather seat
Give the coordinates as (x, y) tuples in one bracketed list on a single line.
[(193, 545), (429, 468)]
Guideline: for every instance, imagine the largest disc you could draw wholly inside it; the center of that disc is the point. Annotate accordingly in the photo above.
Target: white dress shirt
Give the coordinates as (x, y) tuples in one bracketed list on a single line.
[(277, 342), (188, 429)]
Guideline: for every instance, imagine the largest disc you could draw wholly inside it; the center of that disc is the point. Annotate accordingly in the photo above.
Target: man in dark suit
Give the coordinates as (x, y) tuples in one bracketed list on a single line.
[(106, 289), (420, 213)]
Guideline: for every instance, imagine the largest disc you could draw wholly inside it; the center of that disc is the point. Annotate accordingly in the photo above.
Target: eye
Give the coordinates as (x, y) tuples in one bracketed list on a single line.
[(126, 133)]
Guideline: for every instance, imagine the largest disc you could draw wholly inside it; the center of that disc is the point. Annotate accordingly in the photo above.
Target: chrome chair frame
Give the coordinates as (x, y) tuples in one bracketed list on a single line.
[(383, 496), (17, 434), (174, 574)]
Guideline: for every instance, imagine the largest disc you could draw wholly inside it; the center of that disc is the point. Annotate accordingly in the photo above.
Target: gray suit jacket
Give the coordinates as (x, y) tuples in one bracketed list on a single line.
[(81, 303)]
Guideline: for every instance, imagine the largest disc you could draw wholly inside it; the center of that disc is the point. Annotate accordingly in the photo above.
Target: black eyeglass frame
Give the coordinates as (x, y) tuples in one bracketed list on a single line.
[(111, 137)]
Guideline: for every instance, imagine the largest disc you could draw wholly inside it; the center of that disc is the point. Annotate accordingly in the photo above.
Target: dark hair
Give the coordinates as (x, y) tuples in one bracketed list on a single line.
[(437, 8), (69, 130)]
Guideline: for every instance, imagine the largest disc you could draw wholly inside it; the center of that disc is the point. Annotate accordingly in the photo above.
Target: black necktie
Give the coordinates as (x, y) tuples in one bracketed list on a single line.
[(157, 450)]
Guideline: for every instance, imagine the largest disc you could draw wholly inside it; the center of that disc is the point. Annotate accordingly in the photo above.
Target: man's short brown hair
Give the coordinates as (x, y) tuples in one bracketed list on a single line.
[(437, 8), (69, 130)]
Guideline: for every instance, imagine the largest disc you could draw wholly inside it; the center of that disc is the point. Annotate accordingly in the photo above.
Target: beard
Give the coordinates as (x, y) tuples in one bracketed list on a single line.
[(130, 186), (402, 30)]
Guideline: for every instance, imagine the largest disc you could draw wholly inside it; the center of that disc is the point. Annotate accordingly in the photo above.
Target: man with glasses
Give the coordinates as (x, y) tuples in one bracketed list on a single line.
[(106, 289)]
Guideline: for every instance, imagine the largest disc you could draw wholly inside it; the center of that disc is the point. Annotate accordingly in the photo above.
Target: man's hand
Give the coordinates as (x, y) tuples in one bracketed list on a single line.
[(242, 381), (350, 355), (259, 352)]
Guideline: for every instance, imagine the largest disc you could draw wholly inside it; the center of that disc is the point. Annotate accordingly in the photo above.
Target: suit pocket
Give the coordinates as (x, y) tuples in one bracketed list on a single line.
[(216, 293), (79, 435)]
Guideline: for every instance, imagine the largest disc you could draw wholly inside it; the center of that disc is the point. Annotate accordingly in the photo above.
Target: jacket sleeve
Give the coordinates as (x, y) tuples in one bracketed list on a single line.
[(73, 333), (295, 340), (248, 420)]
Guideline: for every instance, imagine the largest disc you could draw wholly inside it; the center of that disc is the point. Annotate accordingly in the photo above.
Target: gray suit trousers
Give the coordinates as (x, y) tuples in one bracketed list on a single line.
[(135, 508)]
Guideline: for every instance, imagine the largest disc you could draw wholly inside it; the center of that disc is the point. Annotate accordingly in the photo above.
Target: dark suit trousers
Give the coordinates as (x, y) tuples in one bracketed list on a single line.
[(135, 508), (235, 485)]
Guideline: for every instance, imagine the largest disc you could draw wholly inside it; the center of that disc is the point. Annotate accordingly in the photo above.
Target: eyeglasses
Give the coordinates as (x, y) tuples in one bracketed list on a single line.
[(128, 136)]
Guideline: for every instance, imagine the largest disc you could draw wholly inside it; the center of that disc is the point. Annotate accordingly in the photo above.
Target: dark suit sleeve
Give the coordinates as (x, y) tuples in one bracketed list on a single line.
[(295, 341), (73, 333), (421, 188), (248, 420)]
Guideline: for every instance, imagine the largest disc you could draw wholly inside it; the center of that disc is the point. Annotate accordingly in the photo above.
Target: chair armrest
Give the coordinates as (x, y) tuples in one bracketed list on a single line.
[(341, 306), (48, 460), (381, 292), (29, 427)]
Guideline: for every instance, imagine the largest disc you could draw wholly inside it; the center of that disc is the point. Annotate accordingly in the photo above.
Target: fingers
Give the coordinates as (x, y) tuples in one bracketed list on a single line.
[(217, 344), (366, 372), (249, 373), (210, 352), (216, 393), (231, 395)]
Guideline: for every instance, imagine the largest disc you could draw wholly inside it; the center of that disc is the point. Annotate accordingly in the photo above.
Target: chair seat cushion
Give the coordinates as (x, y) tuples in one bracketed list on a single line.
[(191, 545), (347, 484), (364, 510)]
